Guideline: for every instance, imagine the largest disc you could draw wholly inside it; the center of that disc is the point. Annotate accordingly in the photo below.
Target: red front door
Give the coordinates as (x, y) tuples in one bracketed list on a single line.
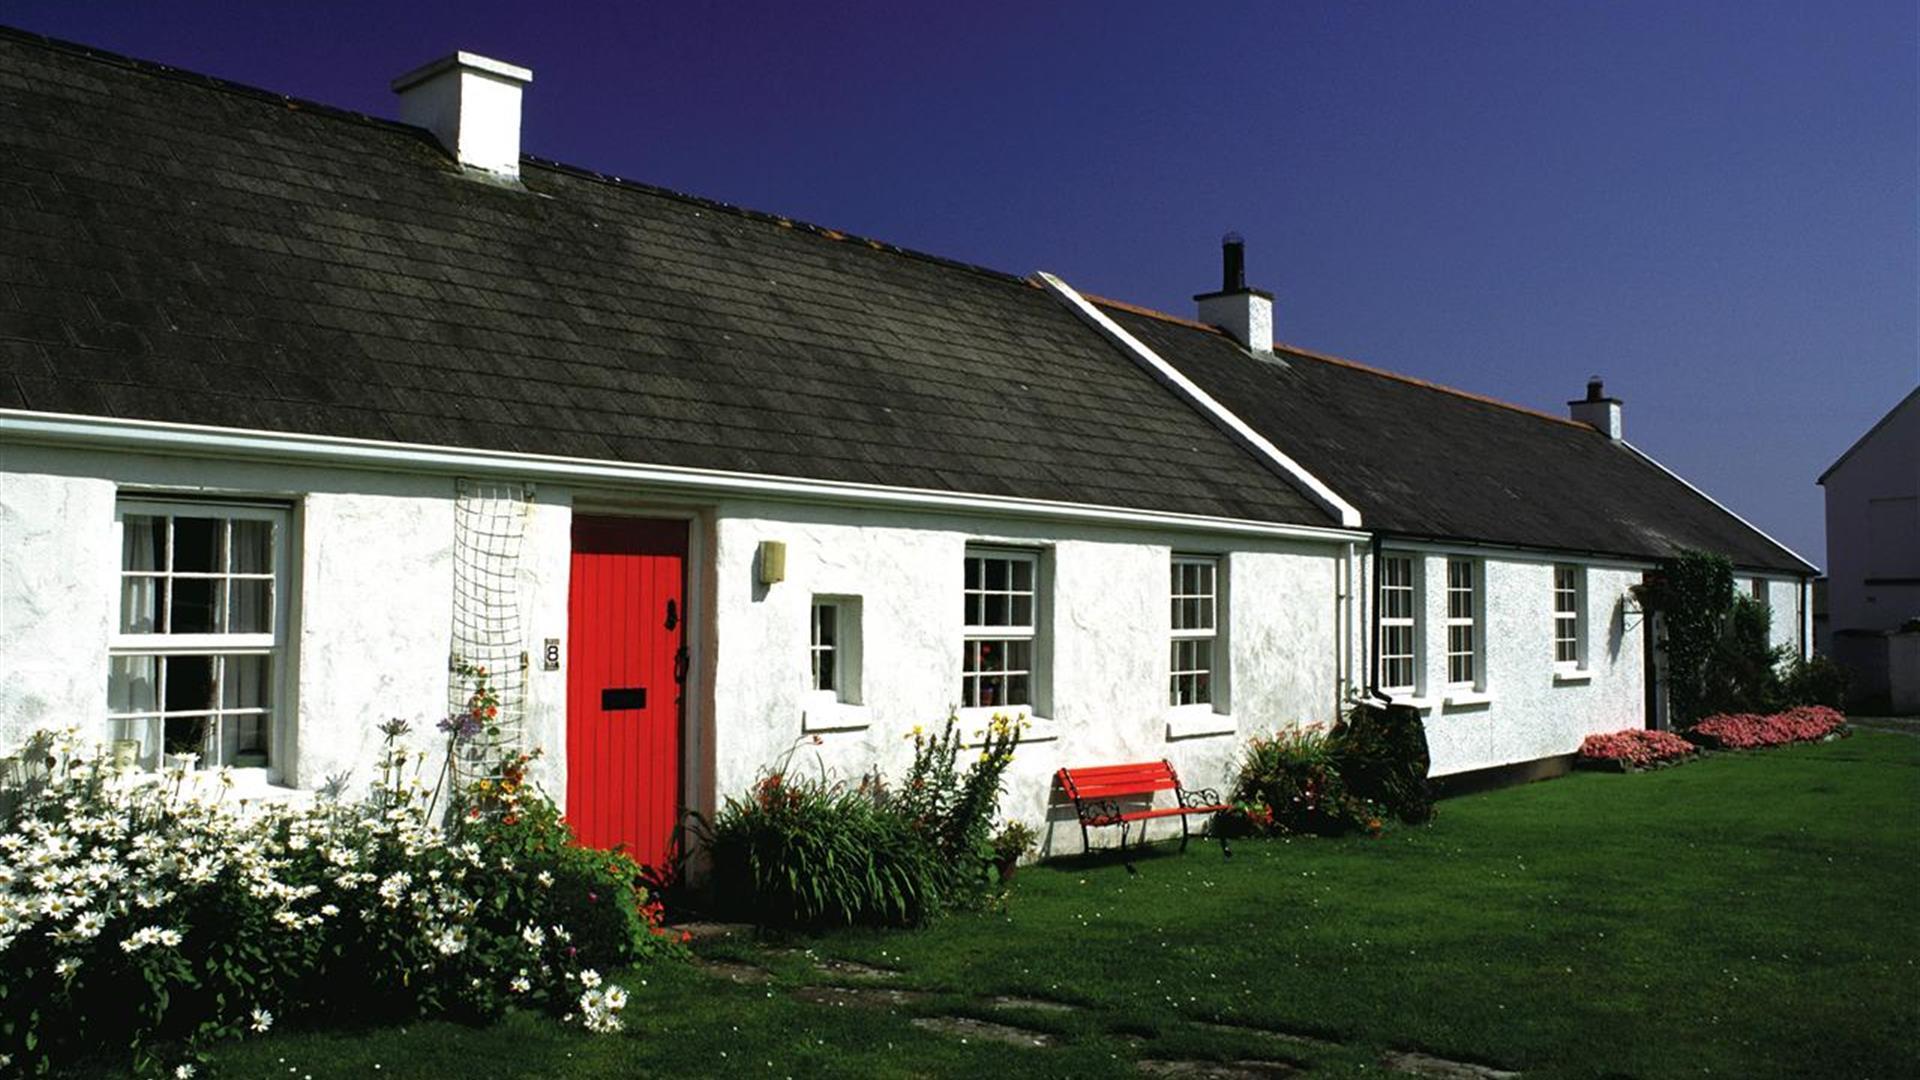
[(626, 615)]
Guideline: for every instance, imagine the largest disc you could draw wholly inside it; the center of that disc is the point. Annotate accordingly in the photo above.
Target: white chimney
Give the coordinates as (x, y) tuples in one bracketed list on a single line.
[(472, 105), (1597, 410), (1246, 314)]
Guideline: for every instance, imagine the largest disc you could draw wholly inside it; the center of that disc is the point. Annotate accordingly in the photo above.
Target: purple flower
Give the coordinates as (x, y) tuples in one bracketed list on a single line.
[(461, 725)]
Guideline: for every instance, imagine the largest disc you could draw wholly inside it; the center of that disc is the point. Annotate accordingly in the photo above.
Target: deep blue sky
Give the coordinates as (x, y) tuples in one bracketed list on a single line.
[(1711, 204)]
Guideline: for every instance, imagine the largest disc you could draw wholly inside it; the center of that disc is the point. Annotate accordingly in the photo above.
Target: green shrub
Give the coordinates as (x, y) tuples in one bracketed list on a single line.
[(806, 852), (1816, 681), (1289, 782), (811, 852), (1381, 754)]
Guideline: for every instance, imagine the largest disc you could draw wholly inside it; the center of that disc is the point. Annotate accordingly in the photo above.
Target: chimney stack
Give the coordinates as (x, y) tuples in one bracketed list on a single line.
[(471, 103), (1246, 314), (1597, 410)]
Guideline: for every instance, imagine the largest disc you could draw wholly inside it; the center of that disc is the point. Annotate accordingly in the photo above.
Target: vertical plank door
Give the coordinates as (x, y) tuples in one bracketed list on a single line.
[(626, 614)]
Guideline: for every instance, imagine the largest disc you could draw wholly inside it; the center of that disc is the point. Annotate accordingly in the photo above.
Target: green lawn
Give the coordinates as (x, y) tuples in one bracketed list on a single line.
[(1748, 915)]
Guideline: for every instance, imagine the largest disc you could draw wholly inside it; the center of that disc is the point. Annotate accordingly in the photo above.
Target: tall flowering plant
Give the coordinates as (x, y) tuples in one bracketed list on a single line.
[(148, 911)]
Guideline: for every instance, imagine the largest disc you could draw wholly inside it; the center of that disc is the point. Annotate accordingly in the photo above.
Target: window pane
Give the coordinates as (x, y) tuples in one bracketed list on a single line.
[(251, 607), (252, 547), (133, 684), (1023, 611), (1019, 690), (1023, 575), (996, 610), (140, 605), (245, 682), (143, 542), (189, 735), (189, 683), (973, 573), (825, 616), (196, 545), (997, 574), (247, 740), (196, 605)]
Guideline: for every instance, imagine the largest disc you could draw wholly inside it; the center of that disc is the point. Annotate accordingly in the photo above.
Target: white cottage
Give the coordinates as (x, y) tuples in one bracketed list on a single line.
[(297, 405)]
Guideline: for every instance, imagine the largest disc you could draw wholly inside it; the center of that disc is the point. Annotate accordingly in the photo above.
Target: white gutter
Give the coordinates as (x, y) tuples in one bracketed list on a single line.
[(190, 440), (1342, 510), (1804, 561)]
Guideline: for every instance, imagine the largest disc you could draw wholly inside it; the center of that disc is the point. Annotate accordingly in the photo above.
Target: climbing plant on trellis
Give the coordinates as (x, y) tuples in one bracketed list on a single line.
[(490, 520)]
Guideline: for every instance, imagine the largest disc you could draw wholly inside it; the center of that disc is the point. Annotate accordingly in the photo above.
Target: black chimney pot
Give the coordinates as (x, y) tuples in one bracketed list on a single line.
[(1596, 390), (1233, 263)]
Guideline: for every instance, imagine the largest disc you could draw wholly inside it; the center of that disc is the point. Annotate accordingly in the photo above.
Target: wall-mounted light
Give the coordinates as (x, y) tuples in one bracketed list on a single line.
[(773, 561)]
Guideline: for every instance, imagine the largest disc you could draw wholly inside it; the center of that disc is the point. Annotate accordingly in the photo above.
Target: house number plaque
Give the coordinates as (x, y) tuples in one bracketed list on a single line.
[(550, 655)]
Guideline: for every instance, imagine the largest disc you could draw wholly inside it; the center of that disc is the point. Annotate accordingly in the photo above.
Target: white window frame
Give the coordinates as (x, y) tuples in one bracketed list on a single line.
[(1409, 622), (147, 726), (978, 632), (1569, 617), (1471, 623), (1196, 684), (823, 649)]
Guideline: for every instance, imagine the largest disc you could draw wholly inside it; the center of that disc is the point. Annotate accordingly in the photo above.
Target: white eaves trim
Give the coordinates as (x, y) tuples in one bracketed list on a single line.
[(190, 440), (1649, 458), (1342, 510)]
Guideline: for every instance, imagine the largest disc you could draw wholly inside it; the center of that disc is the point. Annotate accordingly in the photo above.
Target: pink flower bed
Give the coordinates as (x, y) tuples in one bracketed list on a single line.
[(1746, 731), (1635, 747)]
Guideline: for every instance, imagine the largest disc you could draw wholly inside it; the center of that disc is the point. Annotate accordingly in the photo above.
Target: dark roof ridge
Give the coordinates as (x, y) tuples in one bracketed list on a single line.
[(212, 82), (1329, 358), (822, 231)]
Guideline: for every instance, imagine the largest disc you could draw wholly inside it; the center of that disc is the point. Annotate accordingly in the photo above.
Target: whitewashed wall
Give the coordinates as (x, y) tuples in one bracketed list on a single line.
[(1786, 612), (1108, 627), (371, 584), (1525, 707), (369, 633)]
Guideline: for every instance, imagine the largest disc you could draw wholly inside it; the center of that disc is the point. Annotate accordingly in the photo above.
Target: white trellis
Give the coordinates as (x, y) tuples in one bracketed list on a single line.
[(490, 519)]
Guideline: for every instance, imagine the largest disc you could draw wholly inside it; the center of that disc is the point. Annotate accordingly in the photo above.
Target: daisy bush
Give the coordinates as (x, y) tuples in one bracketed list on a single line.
[(141, 910), (1635, 748)]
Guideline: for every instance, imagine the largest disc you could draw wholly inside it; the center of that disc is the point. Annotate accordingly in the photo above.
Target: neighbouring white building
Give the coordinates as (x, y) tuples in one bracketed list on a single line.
[(1873, 559), (298, 405)]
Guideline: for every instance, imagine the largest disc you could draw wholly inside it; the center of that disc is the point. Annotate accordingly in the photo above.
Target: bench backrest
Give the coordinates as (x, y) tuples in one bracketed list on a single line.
[(1118, 781)]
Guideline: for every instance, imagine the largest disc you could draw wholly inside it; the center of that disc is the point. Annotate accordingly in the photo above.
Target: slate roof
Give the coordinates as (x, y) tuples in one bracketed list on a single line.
[(1425, 461), (177, 248)]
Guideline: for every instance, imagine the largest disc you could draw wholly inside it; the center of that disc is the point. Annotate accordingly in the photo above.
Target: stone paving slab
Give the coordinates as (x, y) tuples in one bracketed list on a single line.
[(1268, 1033), (1439, 1068), (1217, 1070), (966, 1027), (702, 931), (745, 974), (1014, 1001), (863, 996), (855, 969)]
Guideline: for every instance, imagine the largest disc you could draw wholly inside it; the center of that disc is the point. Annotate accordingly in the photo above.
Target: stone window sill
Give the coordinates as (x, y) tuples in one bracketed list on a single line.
[(1413, 701), (1572, 676), (824, 712), (1198, 722), (1467, 699)]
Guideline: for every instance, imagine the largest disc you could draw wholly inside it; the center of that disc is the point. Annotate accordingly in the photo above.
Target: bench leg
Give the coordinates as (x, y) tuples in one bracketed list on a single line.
[(1183, 832)]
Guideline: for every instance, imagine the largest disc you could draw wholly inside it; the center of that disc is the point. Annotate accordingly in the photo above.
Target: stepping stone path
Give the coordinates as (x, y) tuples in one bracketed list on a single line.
[(1217, 1070), (1440, 1068), (1268, 1033), (966, 1027), (698, 932), (745, 974), (867, 996), (1007, 1001), (855, 969)]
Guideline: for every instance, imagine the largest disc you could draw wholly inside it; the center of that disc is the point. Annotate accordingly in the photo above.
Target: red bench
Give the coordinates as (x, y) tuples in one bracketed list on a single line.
[(1100, 794)]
